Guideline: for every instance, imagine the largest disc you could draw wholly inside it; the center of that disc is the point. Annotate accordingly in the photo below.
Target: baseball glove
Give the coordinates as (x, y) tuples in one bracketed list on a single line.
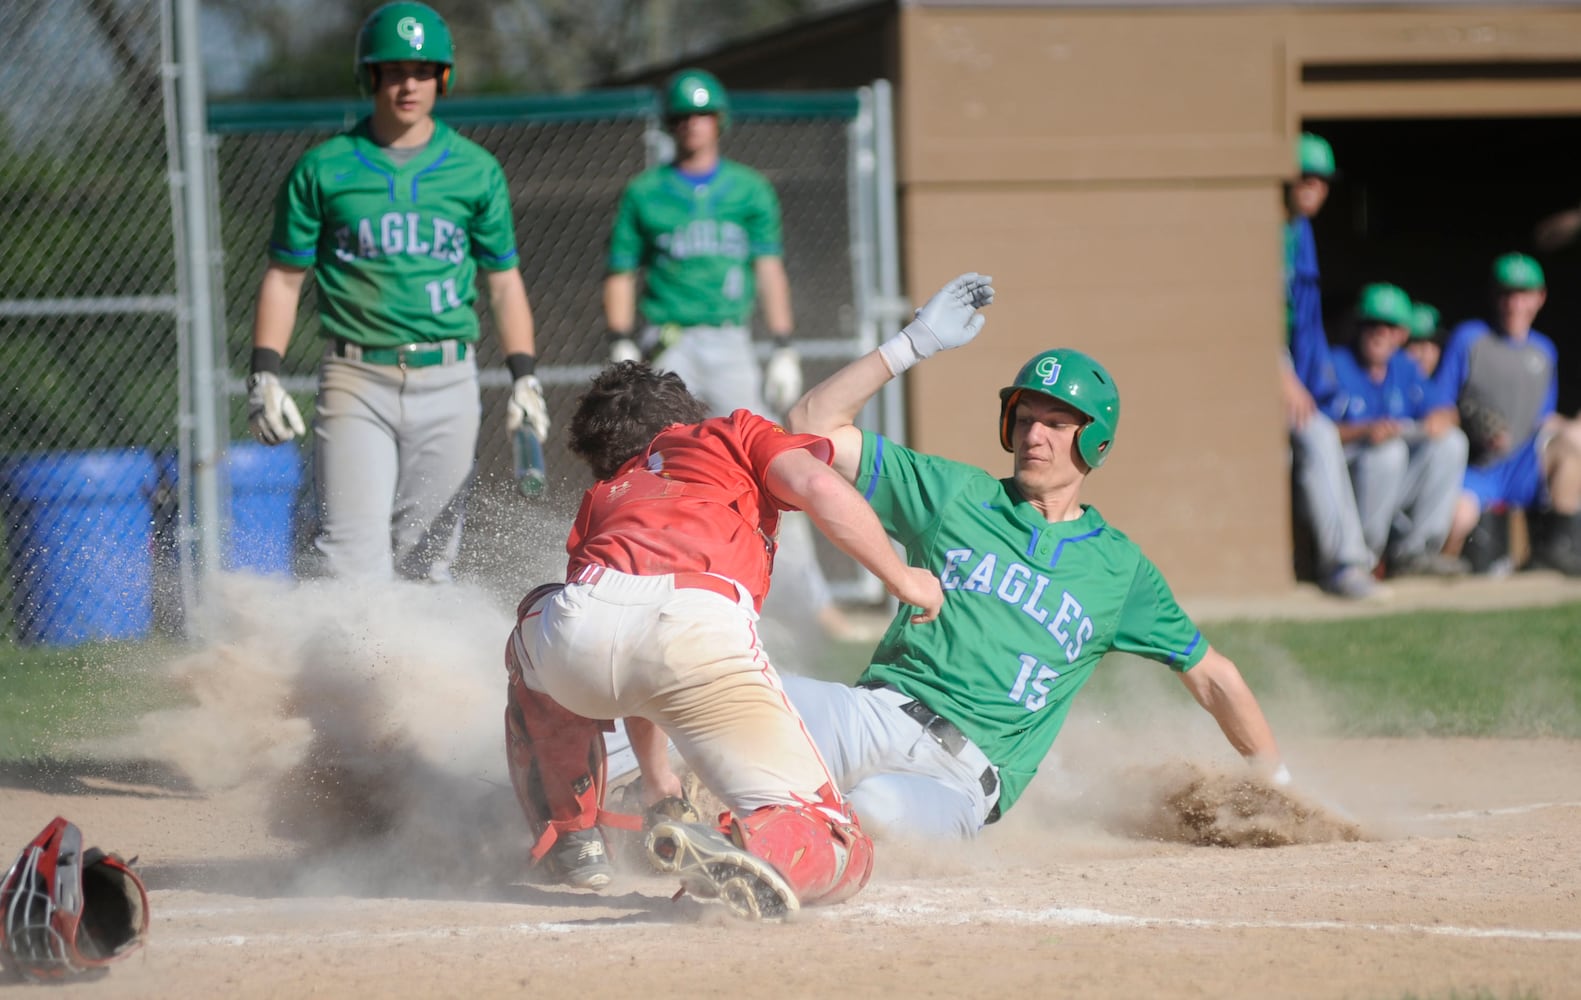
[(67, 910), (672, 807), (680, 808), (1485, 428)]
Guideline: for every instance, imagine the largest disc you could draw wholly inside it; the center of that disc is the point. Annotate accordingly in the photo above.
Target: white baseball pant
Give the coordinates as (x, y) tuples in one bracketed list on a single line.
[(686, 657)]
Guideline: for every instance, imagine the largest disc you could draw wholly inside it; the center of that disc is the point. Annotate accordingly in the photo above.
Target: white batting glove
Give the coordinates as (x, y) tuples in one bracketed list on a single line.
[(949, 319), (782, 379), (624, 349), (271, 412), (527, 404)]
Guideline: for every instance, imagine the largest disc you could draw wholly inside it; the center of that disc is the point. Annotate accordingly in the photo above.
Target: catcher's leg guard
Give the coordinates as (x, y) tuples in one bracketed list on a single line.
[(556, 761), (818, 847)]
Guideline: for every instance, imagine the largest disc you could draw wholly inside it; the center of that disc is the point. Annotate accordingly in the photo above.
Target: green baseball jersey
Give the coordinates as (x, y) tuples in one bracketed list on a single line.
[(396, 247), (696, 238), (1030, 606)]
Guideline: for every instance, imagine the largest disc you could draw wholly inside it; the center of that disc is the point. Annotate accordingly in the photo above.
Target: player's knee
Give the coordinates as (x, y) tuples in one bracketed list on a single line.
[(1389, 458), (1452, 446)]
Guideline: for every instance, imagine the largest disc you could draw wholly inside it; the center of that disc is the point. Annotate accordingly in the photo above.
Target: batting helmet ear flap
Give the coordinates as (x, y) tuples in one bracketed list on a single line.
[(1008, 398)]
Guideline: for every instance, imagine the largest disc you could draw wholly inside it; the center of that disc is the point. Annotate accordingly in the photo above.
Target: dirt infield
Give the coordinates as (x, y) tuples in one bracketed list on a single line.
[(331, 820)]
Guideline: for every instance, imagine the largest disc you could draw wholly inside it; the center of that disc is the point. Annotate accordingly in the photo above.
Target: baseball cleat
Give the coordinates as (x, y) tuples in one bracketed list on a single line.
[(579, 860), (712, 867)]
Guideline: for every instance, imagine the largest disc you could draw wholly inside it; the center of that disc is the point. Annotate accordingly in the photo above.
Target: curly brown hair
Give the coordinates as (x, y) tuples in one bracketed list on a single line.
[(625, 407)]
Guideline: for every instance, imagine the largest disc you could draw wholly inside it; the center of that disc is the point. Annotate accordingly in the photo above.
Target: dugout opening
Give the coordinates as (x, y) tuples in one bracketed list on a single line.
[(1428, 204)]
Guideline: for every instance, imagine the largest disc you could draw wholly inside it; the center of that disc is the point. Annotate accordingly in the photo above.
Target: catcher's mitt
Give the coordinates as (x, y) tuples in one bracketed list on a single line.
[(679, 808), (1485, 428), (671, 807), (65, 910)]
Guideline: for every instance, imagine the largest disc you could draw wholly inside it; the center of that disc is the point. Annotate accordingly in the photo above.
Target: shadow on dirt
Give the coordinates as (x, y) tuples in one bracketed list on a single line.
[(146, 779), (306, 878)]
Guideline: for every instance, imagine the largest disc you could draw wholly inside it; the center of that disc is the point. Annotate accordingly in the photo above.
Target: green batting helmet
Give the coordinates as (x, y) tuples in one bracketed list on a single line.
[(1315, 156), (1517, 272), (403, 31), (1074, 378), (696, 92), (1382, 302), (1424, 322)]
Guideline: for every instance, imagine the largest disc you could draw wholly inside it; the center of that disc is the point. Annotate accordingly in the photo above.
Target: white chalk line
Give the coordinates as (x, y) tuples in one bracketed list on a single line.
[(1060, 916), (298, 940), (1506, 811), (925, 914)]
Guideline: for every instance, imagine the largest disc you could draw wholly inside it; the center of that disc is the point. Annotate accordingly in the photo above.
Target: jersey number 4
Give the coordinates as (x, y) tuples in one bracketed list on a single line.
[(1036, 676)]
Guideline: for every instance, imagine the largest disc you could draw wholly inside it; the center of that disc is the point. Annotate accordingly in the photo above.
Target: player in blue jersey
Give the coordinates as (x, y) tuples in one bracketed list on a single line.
[(1403, 444), (1323, 488), (1504, 377), (951, 720), (1425, 345)]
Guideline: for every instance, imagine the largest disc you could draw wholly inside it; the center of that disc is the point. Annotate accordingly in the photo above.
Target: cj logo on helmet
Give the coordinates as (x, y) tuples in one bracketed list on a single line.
[(1049, 369), (411, 29)]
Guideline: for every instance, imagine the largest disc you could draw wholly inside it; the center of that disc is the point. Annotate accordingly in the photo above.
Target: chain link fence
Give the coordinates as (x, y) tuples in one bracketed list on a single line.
[(567, 160), (101, 354), (90, 307)]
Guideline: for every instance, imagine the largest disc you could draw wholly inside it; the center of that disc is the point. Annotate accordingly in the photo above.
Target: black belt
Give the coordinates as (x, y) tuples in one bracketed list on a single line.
[(947, 735)]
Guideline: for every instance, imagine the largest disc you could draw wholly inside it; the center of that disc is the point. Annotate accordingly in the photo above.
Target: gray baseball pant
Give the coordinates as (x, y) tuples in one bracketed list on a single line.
[(897, 777), (1324, 487), (1408, 490), (394, 454)]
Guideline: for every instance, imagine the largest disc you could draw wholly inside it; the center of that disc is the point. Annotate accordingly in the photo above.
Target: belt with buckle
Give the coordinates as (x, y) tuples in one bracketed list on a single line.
[(441, 352), (947, 735), (683, 581)]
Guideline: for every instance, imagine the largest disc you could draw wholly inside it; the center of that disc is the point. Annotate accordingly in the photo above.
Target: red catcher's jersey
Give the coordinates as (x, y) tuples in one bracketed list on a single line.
[(694, 501)]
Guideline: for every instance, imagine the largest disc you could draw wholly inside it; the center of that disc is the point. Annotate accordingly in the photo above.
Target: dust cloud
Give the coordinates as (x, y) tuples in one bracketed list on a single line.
[(1138, 762), (367, 717)]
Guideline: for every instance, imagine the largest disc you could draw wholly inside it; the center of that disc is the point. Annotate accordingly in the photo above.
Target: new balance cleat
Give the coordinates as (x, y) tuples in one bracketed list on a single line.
[(711, 866), (579, 860)]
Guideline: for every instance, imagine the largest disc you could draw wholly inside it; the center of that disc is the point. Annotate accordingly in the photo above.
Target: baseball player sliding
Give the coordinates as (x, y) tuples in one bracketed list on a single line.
[(949, 723), (670, 558), (397, 216)]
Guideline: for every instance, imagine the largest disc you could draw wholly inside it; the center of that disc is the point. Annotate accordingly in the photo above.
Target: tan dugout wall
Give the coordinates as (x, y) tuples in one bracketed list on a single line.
[(1119, 173)]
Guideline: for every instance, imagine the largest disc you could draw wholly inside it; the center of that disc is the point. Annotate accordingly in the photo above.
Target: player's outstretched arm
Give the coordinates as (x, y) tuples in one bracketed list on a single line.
[(1218, 686), (799, 479), (830, 408)]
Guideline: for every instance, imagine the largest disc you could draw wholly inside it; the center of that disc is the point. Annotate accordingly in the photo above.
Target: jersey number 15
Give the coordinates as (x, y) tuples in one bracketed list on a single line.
[(1036, 676)]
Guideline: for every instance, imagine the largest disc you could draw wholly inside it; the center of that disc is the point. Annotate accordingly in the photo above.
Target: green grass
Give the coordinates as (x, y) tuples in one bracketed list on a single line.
[(1505, 673), (50, 698)]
